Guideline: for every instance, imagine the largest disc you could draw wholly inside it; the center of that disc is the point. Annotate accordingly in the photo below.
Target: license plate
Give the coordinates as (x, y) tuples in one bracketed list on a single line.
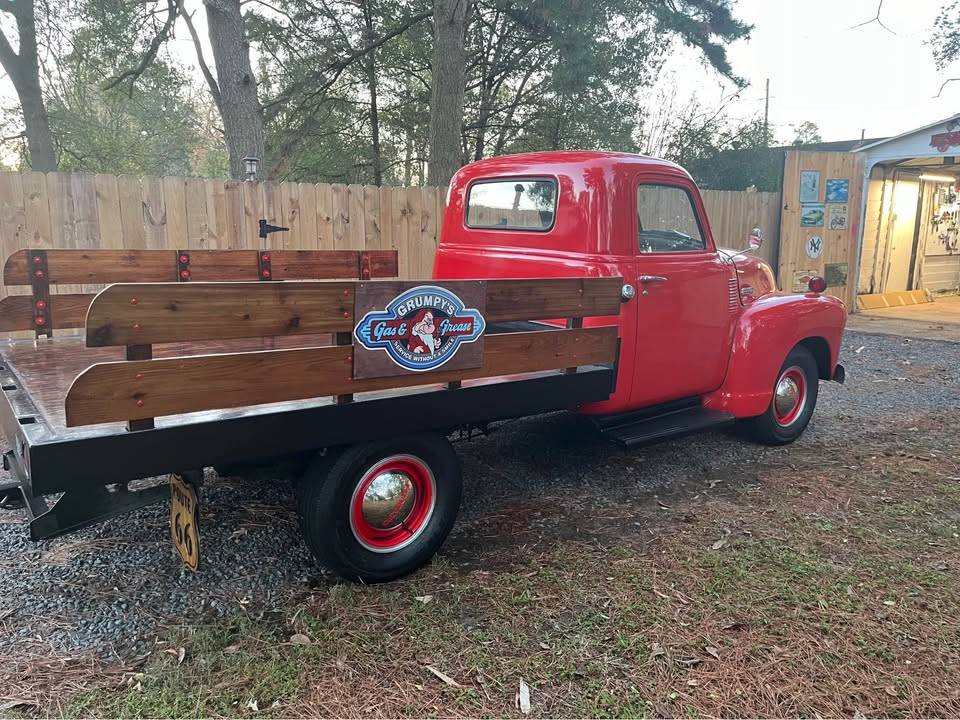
[(184, 516)]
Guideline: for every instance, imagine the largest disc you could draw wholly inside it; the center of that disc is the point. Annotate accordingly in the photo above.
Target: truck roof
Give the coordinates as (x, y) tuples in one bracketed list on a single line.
[(550, 161)]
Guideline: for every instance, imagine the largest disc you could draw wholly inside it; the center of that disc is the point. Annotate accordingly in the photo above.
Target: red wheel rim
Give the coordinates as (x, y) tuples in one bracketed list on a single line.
[(393, 503), (789, 396)]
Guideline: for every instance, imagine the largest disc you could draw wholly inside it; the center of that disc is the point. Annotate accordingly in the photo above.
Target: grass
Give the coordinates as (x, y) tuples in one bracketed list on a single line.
[(832, 594)]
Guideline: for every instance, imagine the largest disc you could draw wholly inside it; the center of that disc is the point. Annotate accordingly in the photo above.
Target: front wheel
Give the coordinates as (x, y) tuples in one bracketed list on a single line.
[(794, 399), (379, 511)]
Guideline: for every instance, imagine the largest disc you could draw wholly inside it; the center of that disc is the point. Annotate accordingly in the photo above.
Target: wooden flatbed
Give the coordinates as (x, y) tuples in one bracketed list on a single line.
[(172, 377)]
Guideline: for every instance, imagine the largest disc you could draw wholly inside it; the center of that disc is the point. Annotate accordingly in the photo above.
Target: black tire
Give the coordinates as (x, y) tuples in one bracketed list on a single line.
[(326, 504), (773, 428)]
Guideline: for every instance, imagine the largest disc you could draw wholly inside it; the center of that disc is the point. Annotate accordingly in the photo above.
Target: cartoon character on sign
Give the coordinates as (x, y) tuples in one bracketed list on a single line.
[(423, 337), (421, 328)]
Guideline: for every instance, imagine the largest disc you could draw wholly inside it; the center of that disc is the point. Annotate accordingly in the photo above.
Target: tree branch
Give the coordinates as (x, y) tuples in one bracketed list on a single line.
[(204, 68), (875, 19), (132, 74), (945, 83)]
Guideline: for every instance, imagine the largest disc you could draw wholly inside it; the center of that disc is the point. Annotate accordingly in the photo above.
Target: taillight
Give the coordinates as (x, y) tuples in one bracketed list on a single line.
[(817, 284)]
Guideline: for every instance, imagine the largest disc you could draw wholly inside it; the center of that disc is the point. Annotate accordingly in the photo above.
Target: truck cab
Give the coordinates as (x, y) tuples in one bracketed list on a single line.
[(703, 329)]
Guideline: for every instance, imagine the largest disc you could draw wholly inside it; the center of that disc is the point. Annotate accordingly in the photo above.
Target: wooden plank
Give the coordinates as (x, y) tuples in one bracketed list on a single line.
[(400, 230), (356, 234), (415, 229), (308, 239), (383, 215), (429, 230), (181, 312), (110, 266), (235, 237), (371, 217), (108, 210), (290, 214), (216, 225), (67, 310), (341, 216), (109, 391), (12, 213), (325, 216), (134, 236), (154, 213), (196, 199), (252, 212), (272, 213), (551, 298), (95, 266), (175, 203)]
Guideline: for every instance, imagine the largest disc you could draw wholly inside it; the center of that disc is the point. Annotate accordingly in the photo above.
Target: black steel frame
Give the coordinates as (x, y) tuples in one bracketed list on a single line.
[(82, 467)]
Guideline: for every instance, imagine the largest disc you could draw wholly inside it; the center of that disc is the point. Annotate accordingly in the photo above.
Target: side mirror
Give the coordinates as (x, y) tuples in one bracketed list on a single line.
[(755, 239)]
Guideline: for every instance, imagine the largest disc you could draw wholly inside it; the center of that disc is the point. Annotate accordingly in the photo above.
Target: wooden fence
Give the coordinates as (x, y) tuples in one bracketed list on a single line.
[(78, 210)]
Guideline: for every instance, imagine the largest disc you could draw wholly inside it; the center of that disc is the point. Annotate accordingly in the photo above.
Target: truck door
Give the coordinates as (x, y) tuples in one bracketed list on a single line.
[(686, 295)]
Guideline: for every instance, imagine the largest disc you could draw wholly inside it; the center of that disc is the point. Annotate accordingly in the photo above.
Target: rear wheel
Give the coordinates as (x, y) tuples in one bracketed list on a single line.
[(378, 511), (793, 402)]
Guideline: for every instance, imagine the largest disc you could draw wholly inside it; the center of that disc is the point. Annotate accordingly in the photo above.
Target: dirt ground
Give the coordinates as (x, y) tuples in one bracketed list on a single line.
[(700, 578)]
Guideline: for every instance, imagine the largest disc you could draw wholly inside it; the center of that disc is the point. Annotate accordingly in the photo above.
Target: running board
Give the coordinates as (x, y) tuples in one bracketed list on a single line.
[(632, 432)]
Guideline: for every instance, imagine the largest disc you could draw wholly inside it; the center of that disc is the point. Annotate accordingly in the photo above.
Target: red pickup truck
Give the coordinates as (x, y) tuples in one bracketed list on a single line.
[(582, 281)]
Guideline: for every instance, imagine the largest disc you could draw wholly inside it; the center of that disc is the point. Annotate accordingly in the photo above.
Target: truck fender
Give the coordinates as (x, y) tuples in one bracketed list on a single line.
[(767, 330)]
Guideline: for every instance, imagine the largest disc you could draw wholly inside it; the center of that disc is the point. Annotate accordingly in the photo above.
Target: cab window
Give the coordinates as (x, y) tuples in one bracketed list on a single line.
[(667, 221), (512, 204)]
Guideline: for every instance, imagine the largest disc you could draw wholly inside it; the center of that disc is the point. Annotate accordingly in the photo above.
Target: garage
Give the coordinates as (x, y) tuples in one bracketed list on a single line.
[(909, 251)]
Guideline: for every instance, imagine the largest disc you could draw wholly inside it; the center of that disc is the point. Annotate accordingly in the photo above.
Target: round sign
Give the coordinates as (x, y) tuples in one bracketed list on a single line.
[(814, 246)]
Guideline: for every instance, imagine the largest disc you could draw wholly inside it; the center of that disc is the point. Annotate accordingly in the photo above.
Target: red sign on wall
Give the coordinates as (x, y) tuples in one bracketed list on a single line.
[(944, 141)]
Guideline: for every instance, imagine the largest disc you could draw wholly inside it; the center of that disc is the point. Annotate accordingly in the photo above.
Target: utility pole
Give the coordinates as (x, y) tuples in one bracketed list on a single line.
[(766, 115)]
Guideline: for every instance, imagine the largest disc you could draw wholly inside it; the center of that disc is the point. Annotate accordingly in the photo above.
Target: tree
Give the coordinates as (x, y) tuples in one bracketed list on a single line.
[(946, 39), (23, 67), (447, 89), (157, 127), (233, 89), (807, 133)]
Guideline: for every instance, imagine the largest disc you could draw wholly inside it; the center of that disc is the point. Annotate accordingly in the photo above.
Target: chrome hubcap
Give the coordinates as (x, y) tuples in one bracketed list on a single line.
[(788, 395), (389, 500)]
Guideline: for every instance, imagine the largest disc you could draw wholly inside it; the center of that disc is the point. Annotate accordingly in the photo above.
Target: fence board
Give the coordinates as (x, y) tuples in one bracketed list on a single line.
[(175, 204), (64, 211)]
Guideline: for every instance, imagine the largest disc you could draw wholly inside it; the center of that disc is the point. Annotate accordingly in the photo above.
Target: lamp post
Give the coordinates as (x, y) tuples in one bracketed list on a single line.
[(251, 165)]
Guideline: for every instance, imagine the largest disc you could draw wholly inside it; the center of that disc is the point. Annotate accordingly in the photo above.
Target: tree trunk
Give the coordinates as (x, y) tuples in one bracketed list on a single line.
[(236, 85), (446, 95), (372, 85), (24, 71)]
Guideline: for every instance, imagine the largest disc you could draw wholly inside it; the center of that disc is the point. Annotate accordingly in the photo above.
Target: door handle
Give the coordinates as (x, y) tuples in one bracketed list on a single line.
[(651, 278)]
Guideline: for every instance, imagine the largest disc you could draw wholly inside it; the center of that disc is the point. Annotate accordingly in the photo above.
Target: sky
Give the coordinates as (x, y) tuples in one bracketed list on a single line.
[(844, 79)]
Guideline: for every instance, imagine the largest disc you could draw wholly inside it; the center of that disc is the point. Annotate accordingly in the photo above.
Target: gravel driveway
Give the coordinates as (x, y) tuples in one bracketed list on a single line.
[(109, 588)]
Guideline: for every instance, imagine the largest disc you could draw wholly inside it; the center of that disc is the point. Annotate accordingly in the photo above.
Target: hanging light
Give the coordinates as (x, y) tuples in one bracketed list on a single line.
[(938, 178), (251, 165)]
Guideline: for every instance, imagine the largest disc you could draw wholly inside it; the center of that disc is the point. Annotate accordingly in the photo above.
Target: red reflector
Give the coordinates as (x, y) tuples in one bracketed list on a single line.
[(41, 304), (817, 284)]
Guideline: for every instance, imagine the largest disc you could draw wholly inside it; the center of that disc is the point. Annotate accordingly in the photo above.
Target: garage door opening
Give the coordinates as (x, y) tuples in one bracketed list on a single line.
[(910, 232)]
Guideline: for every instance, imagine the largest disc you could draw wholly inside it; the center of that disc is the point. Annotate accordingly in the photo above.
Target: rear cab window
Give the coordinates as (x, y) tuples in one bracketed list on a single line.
[(512, 204), (667, 220)]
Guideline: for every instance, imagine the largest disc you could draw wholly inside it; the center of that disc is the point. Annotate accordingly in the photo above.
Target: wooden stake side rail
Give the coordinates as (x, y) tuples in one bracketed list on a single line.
[(65, 267), (133, 314), (151, 388)]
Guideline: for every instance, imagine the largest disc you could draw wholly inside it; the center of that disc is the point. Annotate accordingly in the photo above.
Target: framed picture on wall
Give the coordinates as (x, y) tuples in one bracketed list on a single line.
[(809, 186), (811, 215), (838, 191)]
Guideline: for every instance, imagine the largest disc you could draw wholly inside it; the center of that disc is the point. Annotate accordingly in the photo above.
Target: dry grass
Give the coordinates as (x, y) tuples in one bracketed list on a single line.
[(823, 587)]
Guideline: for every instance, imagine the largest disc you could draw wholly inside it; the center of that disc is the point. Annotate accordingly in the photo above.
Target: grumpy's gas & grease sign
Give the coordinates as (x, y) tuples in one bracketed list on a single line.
[(406, 329)]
